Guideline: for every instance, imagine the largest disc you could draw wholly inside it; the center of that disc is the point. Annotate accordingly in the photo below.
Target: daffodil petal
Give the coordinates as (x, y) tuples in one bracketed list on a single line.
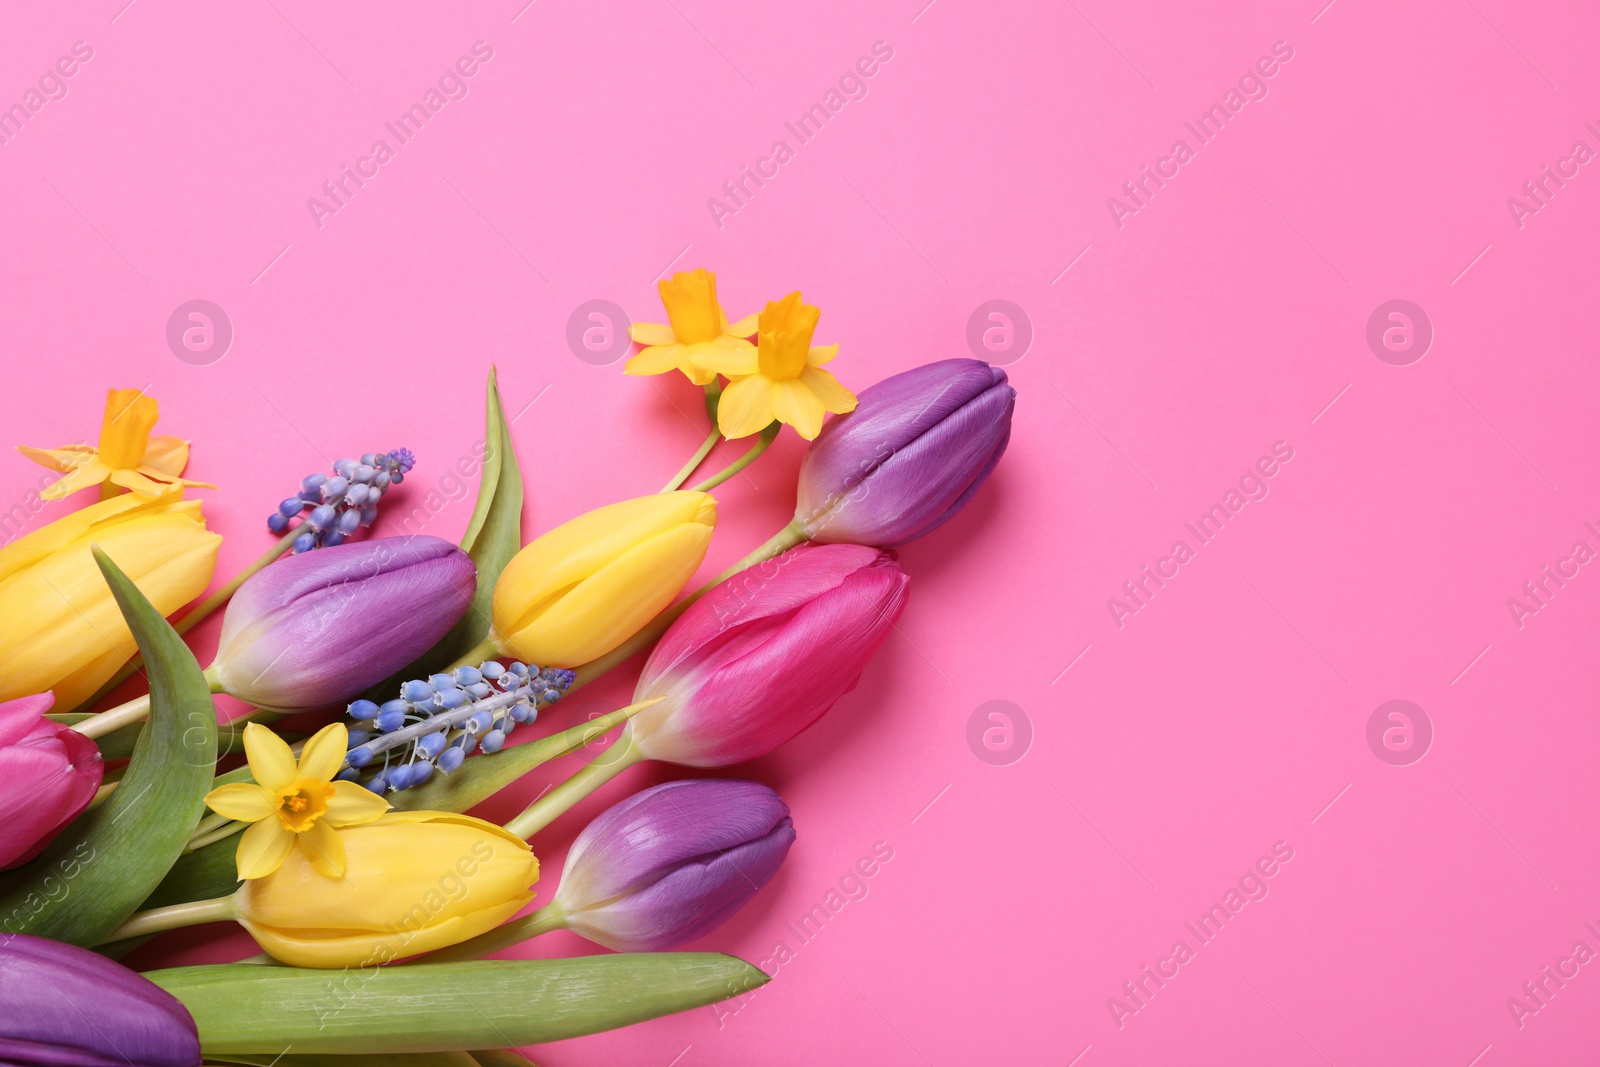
[(821, 354), (136, 481), (732, 356), (244, 801), (323, 846), (745, 327), (89, 474), (799, 407), (57, 459), (323, 754), (652, 333), (745, 407), (169, 455), (353, 804), (834, 397), (271, 762), (657, 359), (263, 848)]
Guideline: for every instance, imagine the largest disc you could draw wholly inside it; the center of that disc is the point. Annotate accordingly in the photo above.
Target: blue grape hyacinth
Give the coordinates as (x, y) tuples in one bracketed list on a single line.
[(436, 722), (336, 507)]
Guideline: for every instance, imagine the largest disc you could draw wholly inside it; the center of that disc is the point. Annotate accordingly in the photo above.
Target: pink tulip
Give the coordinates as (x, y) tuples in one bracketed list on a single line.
[(48, 774), (765, 654)]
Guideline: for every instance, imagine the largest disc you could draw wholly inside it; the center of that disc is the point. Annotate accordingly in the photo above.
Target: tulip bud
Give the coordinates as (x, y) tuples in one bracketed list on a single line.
[(67, 1005), (48, 774), (911, 454), (673, 862), (60, 629), (585, 587), (322, 627), (414, 881), (764, 654)]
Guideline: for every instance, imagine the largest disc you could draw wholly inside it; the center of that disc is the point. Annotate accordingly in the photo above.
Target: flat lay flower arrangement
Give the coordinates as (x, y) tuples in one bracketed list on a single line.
[(349, 854)]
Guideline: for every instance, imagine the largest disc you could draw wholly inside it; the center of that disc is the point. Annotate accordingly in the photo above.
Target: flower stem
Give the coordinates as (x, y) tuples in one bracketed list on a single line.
[(778, 544), (596, 773), (488, 648), (764, 439), (154, 921), (550, 917), (694, 461), (123, 714), (198, 613)]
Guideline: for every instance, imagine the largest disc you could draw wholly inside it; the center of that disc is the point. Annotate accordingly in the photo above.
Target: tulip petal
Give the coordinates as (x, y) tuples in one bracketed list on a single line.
[(323, 754), (795, 404), (271, 762), (244, 801), (323, 846), (745, 407), (168, 455), (19, 717), (263, 848), (652, 333), (354, 805)]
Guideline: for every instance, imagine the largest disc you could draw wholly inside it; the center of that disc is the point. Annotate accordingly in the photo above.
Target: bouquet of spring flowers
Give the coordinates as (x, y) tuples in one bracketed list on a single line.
[(349, 855)]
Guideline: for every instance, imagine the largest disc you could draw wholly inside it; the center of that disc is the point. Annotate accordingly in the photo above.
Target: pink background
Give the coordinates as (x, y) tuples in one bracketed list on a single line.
[(1226, 315)]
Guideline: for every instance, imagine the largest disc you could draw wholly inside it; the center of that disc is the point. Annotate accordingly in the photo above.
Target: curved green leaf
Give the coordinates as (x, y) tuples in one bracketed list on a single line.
[(433, 1007), (102, 867), (493, 536)]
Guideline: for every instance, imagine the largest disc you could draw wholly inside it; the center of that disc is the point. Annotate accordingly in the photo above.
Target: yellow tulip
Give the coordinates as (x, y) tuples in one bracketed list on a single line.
[(585, 587), (59, 627), (414, 881)]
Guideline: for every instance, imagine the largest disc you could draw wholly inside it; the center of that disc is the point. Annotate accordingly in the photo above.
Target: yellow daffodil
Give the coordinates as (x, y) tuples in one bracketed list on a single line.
[(698, 328), (782, 378), (128, 456), (294, 805)]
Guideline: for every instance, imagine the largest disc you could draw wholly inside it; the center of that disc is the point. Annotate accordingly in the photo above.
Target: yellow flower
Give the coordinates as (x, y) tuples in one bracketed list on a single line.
[(59, 626), (782, 378), (293, 804), (418, 881), (128, 456), (577, 592), (698, 328)]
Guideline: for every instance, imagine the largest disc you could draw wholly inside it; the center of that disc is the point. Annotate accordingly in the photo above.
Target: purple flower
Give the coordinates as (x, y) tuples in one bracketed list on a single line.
[(68, 1007), (673, 862), (322, 627), (911, 454)]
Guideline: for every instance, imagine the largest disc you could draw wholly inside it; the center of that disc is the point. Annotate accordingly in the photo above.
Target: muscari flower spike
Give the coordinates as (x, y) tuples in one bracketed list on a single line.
[(437, 721), (342, 504)]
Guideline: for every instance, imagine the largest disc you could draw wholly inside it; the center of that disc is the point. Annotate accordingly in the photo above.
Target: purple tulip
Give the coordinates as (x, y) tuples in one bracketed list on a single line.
[(910, 456), (68, 1007), (673, 862), (764, 654), (48, 774), (322, 627)]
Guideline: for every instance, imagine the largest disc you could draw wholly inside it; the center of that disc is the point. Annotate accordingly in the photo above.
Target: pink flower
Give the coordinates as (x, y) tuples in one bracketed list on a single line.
[(48, 774), (765, 654)]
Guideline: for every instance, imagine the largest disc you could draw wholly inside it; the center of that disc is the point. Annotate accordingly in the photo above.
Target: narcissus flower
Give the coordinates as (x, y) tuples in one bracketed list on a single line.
[(698, 328), (60, 629), (128, 456), (417, 881), (294, 807), (782, 378)]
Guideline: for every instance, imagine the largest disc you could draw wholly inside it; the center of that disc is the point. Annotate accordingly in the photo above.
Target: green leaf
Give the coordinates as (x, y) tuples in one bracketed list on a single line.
[(493, 536), (436, 1007), (103, 866)]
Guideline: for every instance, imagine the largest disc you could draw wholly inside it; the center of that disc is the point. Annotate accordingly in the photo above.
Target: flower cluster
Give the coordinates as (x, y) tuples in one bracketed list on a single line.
[(439, 720), (344, 503)]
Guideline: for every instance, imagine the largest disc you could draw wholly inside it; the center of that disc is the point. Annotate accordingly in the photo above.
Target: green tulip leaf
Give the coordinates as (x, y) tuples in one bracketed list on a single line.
[(436, 1007), (101, 868), (493, 536)]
